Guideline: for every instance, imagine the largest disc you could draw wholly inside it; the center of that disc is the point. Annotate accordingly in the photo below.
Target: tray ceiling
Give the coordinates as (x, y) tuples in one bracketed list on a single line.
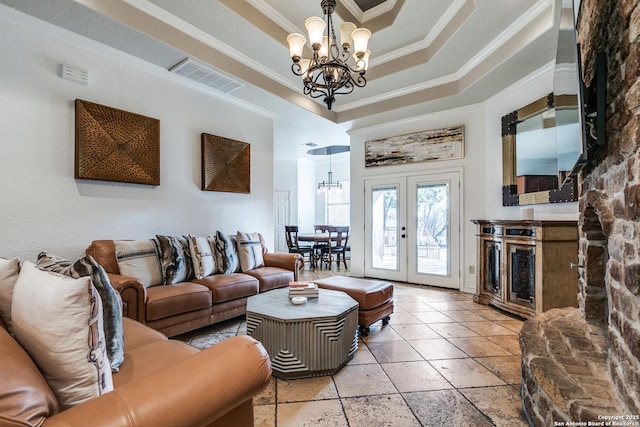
[(426, 54)]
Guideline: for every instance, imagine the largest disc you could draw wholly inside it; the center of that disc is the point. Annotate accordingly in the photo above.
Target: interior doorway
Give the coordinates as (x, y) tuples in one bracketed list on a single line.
[(282, 216)]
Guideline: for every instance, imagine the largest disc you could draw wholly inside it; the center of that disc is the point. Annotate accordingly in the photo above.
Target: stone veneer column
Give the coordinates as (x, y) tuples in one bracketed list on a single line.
[(611, 189)]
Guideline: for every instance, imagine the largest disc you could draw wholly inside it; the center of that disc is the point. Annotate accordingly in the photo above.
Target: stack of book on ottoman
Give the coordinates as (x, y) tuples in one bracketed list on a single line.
[(303, 289)]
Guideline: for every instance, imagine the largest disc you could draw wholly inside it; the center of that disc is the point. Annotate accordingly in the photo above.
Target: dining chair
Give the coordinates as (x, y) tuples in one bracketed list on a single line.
[(320, 248), (339, 239), (291, 235), (321, 228)]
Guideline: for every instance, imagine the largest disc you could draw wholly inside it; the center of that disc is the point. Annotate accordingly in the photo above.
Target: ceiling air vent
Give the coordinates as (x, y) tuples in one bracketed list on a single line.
[(205, 75)]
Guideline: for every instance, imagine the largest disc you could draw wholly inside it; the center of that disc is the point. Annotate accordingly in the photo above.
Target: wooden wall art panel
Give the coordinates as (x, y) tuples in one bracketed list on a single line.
[(226, 165), (115, 145), (437, 144)]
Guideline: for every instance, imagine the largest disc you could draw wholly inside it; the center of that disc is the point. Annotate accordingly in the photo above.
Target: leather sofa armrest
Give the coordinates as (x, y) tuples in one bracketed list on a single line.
[(194, 392), (291, 262), (132, 293)]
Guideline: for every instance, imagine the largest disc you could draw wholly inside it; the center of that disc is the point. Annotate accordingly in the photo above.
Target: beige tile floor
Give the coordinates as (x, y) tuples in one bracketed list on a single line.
[(441, 361)]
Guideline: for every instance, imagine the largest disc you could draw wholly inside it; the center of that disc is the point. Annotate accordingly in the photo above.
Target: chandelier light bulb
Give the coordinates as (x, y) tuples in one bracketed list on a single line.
[(304, 68), (360, 39), (296, 45), (362, 63), (346, 29), (324, 48), (315, 27)]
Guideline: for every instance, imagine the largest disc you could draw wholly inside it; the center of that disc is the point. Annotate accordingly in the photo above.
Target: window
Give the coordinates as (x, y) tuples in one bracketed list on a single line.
[(338, 205)]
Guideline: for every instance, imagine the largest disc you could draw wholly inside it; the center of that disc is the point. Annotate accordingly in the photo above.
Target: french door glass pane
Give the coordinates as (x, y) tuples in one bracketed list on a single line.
[(433, 228), (384, 232)]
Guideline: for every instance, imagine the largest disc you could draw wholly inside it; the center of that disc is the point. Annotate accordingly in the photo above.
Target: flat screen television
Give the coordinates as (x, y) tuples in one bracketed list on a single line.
[(580, 110)]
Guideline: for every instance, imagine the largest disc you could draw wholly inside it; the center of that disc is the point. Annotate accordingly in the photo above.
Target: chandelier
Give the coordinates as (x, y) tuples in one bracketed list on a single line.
[(328, 185), (328, 72)]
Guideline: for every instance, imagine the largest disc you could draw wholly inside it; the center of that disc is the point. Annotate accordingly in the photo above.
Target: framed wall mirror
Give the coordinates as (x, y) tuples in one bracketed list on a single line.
[(542, 143), (538, 152)]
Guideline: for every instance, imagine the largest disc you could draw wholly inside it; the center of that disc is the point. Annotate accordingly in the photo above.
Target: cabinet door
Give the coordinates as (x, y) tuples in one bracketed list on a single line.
[(521, 266), (492, 271)]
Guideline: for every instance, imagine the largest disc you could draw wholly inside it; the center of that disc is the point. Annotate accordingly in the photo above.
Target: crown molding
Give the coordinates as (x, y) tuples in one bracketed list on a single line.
[(263, 7), (121, 57), (183, 26), (504, 38), (370, 14), (438, 28)]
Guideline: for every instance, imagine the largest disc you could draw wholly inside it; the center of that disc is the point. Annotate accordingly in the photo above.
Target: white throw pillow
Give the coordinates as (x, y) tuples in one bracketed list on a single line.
[(202, 255), (9, 269), (58, 321), (140, 259), (249, 251)]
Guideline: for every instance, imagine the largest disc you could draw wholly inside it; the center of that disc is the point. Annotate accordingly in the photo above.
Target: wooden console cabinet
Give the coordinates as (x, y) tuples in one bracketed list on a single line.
[(524, 267)]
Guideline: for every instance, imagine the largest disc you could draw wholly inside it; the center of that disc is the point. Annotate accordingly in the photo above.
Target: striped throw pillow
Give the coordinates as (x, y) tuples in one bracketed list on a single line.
[(249, 251)]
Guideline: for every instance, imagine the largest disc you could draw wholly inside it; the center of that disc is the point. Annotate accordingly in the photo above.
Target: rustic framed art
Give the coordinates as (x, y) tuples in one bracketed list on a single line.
[(226, 165), (116, 145), (437, 144)]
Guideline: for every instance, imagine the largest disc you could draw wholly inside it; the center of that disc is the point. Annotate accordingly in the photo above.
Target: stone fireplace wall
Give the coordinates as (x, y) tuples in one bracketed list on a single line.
[(610, 194)]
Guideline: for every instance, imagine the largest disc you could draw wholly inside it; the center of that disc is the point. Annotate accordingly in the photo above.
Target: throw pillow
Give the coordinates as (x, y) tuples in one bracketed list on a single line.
[(111, 309), (139, 258), (58, 321), (9, 269), (226, 255), (204, 262), (249, 251), (175, 259)]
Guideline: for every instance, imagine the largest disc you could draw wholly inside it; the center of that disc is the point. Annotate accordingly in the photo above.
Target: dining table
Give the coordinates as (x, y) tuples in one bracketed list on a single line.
[(319, 240)]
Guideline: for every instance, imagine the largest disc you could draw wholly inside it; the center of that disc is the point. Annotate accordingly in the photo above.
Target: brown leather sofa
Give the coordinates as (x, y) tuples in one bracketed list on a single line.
[(183, 307), (162, 383)]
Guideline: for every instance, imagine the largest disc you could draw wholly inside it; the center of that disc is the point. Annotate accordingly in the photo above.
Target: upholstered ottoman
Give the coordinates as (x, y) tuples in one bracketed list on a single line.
[(375, 298)]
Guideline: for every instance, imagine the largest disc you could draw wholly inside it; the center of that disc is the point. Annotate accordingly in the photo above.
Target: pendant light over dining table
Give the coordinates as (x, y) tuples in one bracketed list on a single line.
[(329, 184), (329, 71)]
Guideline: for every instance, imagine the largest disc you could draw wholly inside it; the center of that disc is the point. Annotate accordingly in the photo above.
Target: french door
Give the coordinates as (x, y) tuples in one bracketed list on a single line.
[(412, 229)]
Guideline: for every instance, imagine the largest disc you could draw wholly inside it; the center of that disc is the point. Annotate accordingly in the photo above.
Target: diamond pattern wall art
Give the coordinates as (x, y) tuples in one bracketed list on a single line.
[(226, 165), (115, 145)]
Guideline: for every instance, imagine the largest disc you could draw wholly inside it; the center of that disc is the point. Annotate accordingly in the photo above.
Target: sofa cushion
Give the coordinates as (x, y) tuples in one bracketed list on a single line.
[(226, 254), (165, 301), (202, 255), (136, 334), (227, 287), (140, 259), (58, 321), (150, 358), (271, 277), (9, 269), (25, 397), (111, 311), (175, 259), (249, 251)]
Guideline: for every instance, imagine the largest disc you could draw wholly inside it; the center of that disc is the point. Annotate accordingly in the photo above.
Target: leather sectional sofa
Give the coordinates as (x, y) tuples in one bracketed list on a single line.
[(186, 306), (162, 383)]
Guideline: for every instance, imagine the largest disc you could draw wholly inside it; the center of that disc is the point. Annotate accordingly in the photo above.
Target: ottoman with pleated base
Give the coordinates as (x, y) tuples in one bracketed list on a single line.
[(375, 298)]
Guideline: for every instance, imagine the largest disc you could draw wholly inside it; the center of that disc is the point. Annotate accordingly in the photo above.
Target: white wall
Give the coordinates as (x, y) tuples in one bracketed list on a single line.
[(306, 195), (482, 166), (473, 177), (44, 208)]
